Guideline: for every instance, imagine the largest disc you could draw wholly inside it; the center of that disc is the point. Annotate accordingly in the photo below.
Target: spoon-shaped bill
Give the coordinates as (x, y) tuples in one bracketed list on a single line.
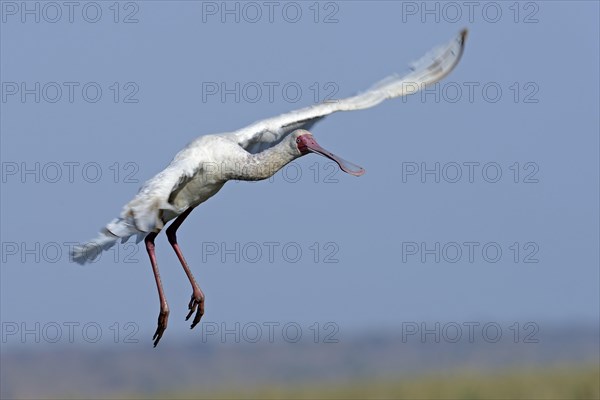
[(346, 166), (308, 144)]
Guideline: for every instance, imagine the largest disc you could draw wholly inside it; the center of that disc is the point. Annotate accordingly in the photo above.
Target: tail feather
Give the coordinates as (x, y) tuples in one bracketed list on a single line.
[(117, 229)]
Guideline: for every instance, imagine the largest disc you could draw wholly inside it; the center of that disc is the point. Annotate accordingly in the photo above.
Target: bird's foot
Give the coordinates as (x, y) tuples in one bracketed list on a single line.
[(163, 319), (196, 304)]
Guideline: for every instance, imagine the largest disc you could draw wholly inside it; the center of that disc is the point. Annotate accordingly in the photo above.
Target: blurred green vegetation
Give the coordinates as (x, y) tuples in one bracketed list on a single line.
[(566, 382)]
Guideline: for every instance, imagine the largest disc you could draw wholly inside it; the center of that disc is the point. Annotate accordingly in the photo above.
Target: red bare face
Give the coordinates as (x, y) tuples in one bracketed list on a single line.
[(304, 142), (307, 144)]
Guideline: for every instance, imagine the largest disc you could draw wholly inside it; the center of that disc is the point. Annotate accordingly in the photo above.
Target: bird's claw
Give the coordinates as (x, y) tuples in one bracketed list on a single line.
[(163, 319), (197, 302)]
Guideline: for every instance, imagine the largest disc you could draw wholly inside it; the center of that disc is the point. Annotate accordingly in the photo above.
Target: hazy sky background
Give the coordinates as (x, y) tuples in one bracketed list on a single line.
[(545, 119)]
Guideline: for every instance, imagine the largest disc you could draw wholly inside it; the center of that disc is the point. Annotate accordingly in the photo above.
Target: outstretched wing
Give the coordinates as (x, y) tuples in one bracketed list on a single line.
[(431, 68)]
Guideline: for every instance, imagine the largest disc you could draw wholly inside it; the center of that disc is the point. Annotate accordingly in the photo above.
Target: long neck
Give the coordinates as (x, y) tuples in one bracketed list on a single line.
[(264, 164)]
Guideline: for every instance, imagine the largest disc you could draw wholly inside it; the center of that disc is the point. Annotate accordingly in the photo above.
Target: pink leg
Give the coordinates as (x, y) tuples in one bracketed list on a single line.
[(197, 300), (163, 317)]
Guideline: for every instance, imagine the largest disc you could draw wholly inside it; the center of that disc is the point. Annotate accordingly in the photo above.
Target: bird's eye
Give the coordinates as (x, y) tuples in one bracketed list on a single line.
[(298, 140)]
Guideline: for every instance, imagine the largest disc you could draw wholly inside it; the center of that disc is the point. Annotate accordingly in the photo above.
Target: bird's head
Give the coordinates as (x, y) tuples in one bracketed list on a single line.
[(305, 143)]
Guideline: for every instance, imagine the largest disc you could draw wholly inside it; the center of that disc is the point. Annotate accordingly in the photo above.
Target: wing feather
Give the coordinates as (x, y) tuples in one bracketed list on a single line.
[(431, 68)]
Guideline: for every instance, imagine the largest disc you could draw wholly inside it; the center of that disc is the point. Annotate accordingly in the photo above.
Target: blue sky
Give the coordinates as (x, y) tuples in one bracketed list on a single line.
[(312, 244)]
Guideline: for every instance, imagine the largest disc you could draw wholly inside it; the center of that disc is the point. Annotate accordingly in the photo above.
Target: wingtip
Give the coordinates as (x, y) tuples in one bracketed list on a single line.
[(463, 35)]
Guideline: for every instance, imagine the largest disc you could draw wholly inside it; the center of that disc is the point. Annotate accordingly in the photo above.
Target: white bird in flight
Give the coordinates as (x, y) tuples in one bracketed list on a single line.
[(252, 153)]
